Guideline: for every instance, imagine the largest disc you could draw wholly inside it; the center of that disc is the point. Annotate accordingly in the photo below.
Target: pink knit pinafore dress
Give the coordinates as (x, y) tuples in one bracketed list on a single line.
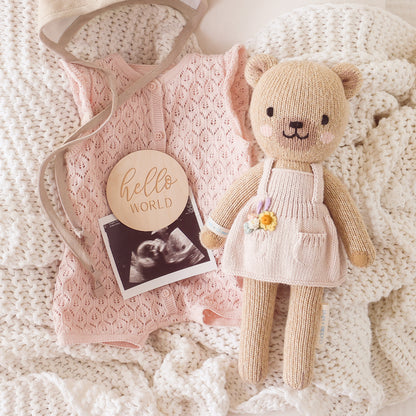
[(299, 245)]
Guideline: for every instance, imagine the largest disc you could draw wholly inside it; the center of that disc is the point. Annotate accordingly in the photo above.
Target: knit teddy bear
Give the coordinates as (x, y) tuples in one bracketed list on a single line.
[(289, 220)]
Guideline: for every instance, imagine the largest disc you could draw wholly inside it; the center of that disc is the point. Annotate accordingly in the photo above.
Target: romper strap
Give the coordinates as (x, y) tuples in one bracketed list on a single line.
[(264, 181), (318, 183)]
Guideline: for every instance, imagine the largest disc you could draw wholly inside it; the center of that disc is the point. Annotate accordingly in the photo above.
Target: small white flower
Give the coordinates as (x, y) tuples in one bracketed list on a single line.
[(254, 223)]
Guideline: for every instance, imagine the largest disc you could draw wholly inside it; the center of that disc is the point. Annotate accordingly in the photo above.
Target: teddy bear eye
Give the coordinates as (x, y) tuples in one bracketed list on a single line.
[(269, 111), (325, 120)]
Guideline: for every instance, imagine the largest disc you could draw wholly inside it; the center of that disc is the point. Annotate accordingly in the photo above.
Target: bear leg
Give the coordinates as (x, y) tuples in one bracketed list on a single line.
[(301, 335), (257, 319)]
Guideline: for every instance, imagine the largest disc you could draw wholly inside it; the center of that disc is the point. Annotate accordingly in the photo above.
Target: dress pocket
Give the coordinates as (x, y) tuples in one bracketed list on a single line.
[(309, 249)]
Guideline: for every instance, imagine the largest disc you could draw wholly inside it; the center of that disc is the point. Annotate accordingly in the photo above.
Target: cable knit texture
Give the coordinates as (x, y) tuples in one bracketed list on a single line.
[(368, 360)]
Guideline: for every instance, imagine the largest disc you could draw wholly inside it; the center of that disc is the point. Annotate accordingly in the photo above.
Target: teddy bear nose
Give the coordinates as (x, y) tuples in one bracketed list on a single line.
[(296, 124)]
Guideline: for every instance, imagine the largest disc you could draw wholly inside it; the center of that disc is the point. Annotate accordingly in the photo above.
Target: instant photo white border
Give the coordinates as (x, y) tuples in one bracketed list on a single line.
[(166, 279)]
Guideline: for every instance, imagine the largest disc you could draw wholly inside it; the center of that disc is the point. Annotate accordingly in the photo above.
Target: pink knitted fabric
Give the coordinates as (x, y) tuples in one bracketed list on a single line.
[(304, 247), (196, 112)]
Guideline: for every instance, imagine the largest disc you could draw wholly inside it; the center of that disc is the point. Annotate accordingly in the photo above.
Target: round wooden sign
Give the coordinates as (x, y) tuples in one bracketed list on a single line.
[(147, 190)]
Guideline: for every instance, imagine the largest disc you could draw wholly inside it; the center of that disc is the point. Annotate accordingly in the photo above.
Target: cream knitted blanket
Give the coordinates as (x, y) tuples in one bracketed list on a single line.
[(369, 359)]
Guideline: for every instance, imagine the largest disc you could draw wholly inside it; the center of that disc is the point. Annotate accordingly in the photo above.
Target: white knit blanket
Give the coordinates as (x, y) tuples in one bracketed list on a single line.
[(369, 359)]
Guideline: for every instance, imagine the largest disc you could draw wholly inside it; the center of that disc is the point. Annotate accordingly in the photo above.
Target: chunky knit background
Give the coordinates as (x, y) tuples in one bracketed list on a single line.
[(369, 359)]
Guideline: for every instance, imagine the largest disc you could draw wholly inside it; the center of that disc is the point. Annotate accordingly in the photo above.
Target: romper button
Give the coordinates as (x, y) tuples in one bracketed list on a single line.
[(165, 293), (159, 135), (152, 86)]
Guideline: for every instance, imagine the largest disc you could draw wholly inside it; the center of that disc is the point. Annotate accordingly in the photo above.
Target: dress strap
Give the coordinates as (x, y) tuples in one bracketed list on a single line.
[(264, 181), (318, 183)]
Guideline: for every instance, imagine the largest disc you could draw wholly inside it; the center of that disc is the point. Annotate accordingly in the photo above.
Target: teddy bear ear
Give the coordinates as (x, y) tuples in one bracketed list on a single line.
[(351, 78), (256, 66)]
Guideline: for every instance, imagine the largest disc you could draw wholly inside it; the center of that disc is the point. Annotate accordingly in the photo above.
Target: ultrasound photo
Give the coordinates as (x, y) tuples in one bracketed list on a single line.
[(143, 260)]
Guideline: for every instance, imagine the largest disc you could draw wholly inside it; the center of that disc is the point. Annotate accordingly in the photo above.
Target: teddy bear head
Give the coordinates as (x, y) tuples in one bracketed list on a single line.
[(299, 109)]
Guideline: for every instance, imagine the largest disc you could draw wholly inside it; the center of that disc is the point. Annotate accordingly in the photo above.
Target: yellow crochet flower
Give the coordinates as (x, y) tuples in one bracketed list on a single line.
[(268, 220)]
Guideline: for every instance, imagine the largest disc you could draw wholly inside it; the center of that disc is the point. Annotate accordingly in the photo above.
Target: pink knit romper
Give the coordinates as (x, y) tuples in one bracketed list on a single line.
[(303, 249), (195, 112)]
